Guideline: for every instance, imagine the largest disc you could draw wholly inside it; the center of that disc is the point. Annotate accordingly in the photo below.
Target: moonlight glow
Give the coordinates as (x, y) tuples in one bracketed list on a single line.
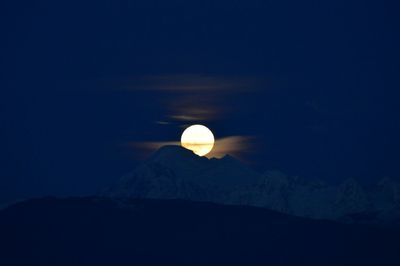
[(198, 138)]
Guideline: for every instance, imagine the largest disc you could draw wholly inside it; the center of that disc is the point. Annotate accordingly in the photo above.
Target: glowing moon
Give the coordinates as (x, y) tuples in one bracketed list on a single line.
[(198, 138)]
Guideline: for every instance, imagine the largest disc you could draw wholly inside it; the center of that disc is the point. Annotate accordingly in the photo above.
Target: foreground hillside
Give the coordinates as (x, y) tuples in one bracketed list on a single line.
[(99, 231)]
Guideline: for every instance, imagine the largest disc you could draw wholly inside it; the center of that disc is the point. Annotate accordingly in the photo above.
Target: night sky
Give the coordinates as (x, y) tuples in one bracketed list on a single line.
[(307, 87)]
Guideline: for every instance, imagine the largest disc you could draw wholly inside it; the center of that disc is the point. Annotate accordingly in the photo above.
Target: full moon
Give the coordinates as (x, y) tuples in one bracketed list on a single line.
[(198, 139)]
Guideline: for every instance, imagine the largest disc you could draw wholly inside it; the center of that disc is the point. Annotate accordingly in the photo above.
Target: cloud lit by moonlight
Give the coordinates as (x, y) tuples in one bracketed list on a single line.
[(232, 145), (193, 99)]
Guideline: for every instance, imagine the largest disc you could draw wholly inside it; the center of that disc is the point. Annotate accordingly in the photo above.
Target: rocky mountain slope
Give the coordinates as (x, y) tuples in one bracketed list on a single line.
[(176, 173)]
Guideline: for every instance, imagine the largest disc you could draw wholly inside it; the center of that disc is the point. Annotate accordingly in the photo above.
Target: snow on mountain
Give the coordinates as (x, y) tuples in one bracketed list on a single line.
[(351, 198), (174, 172)]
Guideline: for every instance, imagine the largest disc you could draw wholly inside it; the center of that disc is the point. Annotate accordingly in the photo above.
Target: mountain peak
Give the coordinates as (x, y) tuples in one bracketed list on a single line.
[(172, 152), (175, 172), (228, 157), (173, 149)]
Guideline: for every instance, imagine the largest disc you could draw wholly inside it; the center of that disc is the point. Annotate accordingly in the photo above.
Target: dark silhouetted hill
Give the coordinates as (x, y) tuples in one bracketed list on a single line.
[(104, 231)]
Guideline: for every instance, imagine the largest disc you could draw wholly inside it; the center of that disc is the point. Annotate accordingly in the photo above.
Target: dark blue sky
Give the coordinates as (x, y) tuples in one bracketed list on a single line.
[(320, 86)]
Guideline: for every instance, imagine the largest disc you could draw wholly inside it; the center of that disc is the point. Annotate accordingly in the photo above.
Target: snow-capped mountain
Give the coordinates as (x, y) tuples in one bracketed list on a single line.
[(174, 172)]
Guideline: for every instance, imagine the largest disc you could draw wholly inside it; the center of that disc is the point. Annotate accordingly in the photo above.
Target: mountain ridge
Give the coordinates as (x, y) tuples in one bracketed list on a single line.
[(174, 172)]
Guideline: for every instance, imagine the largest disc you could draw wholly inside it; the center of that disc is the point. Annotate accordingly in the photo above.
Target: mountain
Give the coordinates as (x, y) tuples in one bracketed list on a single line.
[(106, 231), (174, 172)]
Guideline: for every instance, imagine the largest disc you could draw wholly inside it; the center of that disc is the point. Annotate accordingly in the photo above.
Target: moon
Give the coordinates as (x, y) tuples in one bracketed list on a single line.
[(198, 138)]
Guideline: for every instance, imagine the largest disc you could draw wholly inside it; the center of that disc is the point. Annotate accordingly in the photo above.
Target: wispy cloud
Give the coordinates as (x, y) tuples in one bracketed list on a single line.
[(190, 83), (163, 123), (232, 145), (194, 98)]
